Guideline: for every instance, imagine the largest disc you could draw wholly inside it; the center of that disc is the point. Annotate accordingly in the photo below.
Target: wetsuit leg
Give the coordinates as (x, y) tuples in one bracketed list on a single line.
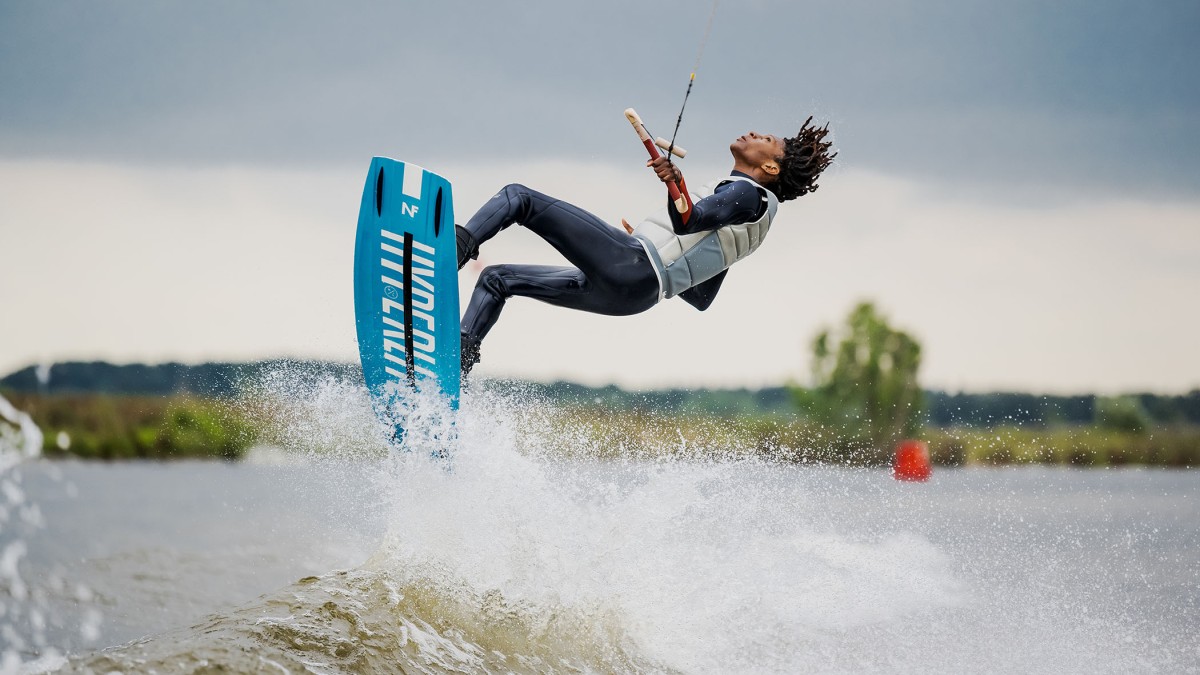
[(583, 239), (612, 274)]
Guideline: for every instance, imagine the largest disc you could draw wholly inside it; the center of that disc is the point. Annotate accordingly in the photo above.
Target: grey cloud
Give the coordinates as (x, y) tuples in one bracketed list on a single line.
[(1102, 95)]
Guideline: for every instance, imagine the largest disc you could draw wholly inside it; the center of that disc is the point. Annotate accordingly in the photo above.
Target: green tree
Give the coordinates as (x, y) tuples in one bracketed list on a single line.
[(1120, 413), (865, 381)]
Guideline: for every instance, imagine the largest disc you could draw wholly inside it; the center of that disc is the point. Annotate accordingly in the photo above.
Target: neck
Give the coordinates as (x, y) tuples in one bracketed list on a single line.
[(761, 177)]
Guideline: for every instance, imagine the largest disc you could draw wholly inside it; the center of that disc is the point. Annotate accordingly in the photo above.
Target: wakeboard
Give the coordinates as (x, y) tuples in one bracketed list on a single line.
[(406, 287)]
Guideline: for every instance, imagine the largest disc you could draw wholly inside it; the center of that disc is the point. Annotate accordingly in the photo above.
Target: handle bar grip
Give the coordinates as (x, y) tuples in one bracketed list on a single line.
[(681, 204)]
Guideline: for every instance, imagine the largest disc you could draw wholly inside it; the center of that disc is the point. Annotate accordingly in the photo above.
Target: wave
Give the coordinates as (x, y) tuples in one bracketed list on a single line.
[(372, 621)]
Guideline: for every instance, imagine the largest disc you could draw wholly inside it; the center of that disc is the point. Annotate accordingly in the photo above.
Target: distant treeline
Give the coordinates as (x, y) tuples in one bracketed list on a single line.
[(942, 409)]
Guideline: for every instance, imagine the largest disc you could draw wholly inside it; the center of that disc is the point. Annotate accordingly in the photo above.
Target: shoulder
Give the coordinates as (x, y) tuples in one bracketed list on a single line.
[(735, 185), (749, 198)]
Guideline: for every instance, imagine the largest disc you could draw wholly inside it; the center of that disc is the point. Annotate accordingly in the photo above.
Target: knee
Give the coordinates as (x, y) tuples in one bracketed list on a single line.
[(491, 279), (522, 201), (513, 193)]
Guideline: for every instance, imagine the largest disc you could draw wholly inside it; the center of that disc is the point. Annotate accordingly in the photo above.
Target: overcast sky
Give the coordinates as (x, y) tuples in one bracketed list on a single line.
[(1018, 183)]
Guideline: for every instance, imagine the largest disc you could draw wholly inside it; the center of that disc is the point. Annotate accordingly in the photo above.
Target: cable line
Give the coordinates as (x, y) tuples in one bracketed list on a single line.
[(692, 80)]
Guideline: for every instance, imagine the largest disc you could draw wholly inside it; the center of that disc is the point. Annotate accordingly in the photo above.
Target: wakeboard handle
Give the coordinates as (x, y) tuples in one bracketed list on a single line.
[(682, 203), (667, 147)]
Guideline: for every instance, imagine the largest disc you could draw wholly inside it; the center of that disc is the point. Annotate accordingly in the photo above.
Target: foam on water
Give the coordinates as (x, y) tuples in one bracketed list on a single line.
[(700, 566)]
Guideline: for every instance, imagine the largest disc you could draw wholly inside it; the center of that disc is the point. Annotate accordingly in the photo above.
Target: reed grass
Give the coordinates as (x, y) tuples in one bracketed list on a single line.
[(92, 426)]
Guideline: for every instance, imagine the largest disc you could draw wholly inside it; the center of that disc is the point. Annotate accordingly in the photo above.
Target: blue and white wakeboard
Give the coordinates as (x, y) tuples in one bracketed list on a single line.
[(406, 287)]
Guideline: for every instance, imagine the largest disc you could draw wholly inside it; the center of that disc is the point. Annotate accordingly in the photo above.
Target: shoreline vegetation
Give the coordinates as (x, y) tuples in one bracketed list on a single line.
[(864, 397), (119, 427), (777, 438), (108, 426)]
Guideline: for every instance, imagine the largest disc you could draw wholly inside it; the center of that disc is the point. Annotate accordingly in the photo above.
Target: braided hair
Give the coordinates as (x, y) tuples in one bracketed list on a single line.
[(805, 156)]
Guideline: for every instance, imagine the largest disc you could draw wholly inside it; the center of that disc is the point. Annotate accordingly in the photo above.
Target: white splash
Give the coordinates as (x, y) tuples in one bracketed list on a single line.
[(22, 624), (705, 567), (20, 438)]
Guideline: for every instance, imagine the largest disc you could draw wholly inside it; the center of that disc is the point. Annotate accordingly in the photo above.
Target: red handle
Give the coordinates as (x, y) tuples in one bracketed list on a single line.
[(682, 203)]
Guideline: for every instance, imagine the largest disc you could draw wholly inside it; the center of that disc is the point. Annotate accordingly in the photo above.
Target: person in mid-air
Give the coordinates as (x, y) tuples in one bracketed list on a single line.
[(676, 252)]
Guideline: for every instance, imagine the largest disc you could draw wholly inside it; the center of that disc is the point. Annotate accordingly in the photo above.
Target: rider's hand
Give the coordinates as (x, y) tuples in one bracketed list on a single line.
[(667, 172)]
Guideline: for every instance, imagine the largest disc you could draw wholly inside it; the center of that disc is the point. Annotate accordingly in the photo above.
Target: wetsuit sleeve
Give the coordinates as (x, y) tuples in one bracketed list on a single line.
[(732, 203), (701, 295)]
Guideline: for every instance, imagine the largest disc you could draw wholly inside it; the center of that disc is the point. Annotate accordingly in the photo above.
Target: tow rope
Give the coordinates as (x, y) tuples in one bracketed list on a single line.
[(692, 80), (676, 190)]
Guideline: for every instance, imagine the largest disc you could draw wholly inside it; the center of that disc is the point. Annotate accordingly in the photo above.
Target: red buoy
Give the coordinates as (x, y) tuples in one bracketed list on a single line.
[(912, 461)]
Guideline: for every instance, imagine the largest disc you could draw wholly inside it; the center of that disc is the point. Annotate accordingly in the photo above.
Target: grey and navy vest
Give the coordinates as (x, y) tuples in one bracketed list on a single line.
[(685, 260)]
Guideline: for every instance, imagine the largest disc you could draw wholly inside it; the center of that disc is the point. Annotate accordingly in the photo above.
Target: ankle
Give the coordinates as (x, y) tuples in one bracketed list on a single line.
[(468, 247)]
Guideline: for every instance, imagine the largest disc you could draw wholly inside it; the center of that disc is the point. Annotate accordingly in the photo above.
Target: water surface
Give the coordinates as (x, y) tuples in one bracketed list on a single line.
[(738, 567), (338, 555)]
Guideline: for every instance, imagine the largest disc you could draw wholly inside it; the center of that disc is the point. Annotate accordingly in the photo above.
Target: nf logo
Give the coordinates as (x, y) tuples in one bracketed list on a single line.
[(409, 210)]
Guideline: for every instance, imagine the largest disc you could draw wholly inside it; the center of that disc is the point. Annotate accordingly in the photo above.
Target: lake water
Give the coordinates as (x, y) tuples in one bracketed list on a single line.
[(509, 559)]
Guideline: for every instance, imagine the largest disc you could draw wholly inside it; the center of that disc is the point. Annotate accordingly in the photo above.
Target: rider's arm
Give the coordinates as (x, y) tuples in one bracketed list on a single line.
[(671, 176), (732, 203)]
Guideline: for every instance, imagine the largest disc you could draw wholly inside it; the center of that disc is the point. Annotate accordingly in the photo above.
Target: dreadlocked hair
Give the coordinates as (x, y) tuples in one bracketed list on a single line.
[(805, 156)]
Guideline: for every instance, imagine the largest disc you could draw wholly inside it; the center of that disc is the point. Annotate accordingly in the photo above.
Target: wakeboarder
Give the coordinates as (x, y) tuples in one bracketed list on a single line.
[(684, 250)]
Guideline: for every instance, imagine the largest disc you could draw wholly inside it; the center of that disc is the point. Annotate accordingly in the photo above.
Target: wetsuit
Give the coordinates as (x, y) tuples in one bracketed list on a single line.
[(612, 272)]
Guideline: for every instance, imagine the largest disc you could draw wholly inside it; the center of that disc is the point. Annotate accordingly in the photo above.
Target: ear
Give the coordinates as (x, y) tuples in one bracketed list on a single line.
[(771, 168)]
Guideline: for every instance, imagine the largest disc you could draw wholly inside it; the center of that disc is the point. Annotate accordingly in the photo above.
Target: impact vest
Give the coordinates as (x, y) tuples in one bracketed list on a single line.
[(685, 260)]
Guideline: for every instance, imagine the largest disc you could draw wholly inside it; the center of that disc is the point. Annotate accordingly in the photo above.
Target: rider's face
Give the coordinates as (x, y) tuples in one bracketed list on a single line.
[(757, 149)]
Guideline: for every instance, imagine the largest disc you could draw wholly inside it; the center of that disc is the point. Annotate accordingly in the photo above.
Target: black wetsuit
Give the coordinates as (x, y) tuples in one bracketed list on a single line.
[(612, 273)]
